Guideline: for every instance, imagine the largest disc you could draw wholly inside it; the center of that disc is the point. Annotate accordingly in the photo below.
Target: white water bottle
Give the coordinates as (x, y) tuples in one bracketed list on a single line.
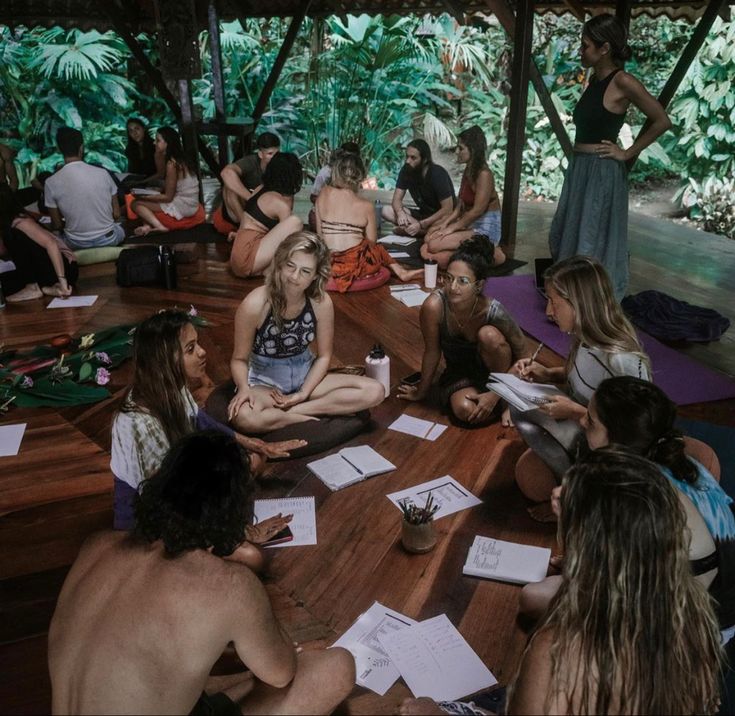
[(377, 366)]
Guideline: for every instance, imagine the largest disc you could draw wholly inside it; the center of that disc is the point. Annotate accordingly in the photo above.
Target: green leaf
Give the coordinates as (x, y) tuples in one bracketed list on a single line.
[(85, 372)]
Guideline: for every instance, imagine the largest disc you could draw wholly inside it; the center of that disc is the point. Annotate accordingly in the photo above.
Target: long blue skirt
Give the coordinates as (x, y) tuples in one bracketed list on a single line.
[(592, 216)]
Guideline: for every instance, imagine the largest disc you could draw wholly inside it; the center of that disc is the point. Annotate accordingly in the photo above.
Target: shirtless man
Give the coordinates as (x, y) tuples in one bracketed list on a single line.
[(142, 618), (241, 178)]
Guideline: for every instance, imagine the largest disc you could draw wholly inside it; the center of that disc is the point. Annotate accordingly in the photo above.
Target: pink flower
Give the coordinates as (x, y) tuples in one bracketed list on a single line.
[(102, 376), (27, 382), (102, 357), (192, 311)]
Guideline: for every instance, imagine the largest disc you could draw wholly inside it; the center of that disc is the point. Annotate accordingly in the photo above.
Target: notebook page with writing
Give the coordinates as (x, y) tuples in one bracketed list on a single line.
[(506, 561), (303, 524)]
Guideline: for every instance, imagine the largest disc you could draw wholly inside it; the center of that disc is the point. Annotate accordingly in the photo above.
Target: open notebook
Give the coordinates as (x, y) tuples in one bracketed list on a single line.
[(520, 393), (350, 465)]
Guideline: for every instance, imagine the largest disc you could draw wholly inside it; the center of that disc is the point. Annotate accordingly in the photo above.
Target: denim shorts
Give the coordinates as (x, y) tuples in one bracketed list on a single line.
[(286, 374), (489, 225)]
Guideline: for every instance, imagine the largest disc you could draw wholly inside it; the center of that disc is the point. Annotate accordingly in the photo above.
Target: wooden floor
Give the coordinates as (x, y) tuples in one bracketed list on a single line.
[(58, 489)]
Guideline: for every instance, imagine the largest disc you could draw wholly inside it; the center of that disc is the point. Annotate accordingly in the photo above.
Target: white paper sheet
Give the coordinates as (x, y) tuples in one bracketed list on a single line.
[(417, 427), (397, 240), (445, 492), (436, 661), (142, 191), (375, 671), (10, 438), (399, 254), (72, 302), (400, 287), (303, 524), (520, 393), (412, 298), (506, 561), (6, 266)]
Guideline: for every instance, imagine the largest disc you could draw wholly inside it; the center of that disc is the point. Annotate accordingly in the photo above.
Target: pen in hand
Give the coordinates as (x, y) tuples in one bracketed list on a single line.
[(535, 353)]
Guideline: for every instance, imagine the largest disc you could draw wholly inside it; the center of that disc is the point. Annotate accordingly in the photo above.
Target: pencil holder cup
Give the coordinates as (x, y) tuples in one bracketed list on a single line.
[(418, 539)]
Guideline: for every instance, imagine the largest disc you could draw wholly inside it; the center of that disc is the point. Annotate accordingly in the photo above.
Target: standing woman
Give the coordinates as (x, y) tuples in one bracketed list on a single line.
[(478, 209), (180, 196), (280, 380), (267, 217), (474, 333), (592, 216)]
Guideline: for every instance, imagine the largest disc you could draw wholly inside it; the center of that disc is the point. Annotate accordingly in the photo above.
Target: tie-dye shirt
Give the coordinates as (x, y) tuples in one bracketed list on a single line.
[(716, 508)]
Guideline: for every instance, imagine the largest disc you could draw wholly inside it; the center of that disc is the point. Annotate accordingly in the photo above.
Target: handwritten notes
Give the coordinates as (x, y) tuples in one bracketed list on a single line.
[(303, 524), (434, 660), (506, 561), (375, 670), (445, 491), (417, 427)]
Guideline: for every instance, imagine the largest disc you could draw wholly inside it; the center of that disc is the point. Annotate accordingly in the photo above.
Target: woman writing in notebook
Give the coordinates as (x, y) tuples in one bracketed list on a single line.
[(474, 333), (346, 222), (284, 333), (604, 344)]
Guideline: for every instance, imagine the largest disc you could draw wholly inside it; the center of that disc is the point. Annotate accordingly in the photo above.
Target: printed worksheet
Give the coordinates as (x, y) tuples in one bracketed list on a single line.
[(445, 492), (375, 671), (435, 660), (397, 240), (72, 302), (303, 524), (417, 427)]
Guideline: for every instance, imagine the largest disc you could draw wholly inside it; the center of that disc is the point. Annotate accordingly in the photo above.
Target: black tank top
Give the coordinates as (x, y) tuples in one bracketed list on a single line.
[(252, 208), (595, 123)]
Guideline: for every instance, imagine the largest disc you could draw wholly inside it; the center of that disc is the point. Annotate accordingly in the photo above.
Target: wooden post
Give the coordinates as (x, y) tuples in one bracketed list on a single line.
[(622, 11), (188, 127), (687, 56), (522, 40), (269, 86), (215, 51)]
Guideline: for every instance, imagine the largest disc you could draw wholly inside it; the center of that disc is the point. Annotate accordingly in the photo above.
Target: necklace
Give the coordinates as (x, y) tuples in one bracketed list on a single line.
[(469, 315)]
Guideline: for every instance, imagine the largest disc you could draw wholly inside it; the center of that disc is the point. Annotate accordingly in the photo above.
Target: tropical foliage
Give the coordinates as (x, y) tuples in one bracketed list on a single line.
[(377, 81)]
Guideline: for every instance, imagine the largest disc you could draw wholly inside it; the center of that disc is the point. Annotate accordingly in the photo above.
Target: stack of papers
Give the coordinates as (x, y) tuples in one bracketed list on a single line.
[(520, 393), (409, 294), (417, 427), (445, 492), (399, 255), (303, 524), (506, 561), (350, 465), (397, 240)]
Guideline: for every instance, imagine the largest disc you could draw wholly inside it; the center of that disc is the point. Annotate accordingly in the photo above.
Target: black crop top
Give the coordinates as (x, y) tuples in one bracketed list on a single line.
[(252, 208), (595, 123)]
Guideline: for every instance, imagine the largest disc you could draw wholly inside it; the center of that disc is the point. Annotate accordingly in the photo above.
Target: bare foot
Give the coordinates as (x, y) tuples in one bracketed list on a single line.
[(56, 290), (417, 707), (145, 230), (506, 421), (406, 274), (499, 256), (29, 293)]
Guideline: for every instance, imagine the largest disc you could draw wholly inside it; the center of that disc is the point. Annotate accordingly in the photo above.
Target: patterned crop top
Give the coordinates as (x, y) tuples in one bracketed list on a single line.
[(291, 339)]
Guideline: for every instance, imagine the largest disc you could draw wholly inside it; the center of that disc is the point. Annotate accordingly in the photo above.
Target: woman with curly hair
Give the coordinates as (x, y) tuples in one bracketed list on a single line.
[(268, 217), (474, 333), (180, 196), (284, 335), (159, 408), (346, 222), (478, 209)]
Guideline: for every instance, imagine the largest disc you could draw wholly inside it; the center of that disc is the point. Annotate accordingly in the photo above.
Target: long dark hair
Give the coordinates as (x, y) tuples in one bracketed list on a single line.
[(158, 373), (200, 498), (283, 174), (424, 150), (175, 150), (474, 139), (140, 154), (639, 417), (611, 29)]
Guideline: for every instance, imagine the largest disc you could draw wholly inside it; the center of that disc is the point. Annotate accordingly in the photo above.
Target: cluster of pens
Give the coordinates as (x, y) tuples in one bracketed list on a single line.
[(415, 515)]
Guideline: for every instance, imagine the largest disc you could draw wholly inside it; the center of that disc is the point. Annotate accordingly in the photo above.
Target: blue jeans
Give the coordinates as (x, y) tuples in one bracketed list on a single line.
[(115, 236), (286, 374)]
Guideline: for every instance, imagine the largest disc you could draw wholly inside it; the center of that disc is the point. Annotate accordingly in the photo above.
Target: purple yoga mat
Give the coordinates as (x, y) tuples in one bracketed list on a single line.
[(684, 380)]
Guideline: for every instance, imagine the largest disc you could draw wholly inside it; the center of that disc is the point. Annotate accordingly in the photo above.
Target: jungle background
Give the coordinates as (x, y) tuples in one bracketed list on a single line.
[(381, 81)]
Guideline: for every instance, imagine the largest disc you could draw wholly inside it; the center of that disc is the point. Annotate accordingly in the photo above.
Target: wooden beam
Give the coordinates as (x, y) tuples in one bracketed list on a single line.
[(456, 9), (122, 28), (502, 11), (687, 57), (288, 41), (622, 11), (576, 8), (215, 52), (520, 76)]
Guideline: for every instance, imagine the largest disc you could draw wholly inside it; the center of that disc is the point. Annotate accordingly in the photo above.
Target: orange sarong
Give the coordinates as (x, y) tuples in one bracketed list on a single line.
[(360, 261)]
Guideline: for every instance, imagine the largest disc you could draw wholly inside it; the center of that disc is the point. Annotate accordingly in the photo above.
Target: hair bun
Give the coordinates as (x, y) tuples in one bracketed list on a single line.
[(626, 53)]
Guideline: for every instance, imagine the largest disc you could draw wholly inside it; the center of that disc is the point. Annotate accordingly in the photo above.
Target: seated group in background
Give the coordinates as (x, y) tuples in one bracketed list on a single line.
[(81, 198), (159, 408), (143, 617), (179, 199), (604, 344), (146, 160), (241, 179), (478, 210), (267, 217), (284, 335), (430, 187), (474, 333), (44, 264), (347, 223), (630, 630)]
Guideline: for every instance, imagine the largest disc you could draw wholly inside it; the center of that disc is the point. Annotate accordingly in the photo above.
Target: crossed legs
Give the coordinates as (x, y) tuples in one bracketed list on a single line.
[(441, 249)]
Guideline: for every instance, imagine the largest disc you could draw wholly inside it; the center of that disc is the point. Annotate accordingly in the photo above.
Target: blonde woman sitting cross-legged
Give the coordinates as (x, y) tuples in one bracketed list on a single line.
[(279, 380)]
